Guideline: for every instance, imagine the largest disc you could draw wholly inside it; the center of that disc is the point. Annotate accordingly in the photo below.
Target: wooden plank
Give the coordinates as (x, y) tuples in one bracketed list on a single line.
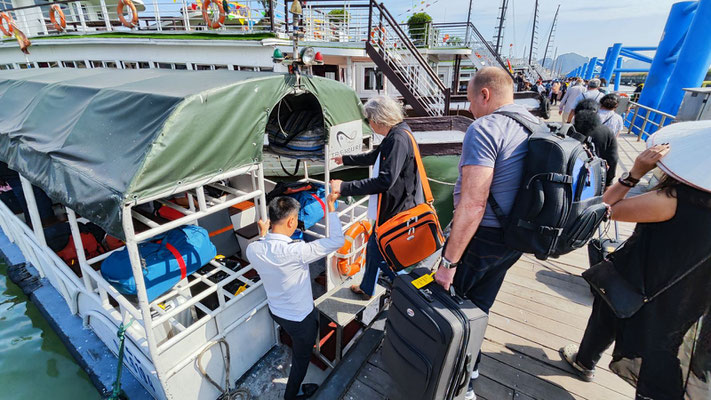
[(550, 275), (557, 379), (522, 381), (572, 333), (552, 358), (574, 295), (567, 318), (486, 388), (540, 336), (544, 299), (360, 391)]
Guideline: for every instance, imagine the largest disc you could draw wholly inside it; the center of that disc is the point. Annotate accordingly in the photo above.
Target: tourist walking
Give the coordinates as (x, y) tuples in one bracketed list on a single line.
[(587, 122), (593, 93), (608, 113), (475, 259), (555, 93), (395, 180), (664, 268), (568, 103)]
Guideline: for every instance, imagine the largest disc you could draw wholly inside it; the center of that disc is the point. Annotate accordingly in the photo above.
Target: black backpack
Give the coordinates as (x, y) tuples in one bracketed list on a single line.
[(559, 204)]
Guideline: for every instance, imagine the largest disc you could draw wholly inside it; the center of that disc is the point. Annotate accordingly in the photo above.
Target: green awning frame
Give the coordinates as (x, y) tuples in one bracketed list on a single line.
[(96, 139)]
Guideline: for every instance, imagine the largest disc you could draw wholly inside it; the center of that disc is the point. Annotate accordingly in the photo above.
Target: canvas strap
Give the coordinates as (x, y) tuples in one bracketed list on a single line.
[(423, 177), (323, 205), (179, 258)]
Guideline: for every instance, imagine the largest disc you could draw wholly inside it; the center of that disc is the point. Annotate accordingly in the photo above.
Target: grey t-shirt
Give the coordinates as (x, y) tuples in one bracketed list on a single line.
[(499, 142)]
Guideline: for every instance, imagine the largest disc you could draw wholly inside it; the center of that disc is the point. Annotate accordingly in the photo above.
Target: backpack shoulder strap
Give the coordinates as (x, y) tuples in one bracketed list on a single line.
[(529, 125)]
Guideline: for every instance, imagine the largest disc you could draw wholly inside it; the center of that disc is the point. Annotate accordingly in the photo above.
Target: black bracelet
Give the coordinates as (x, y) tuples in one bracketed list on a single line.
[(626, 183)]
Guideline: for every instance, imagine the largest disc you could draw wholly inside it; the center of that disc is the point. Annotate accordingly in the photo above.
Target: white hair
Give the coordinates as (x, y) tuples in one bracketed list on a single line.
[(384, 110)]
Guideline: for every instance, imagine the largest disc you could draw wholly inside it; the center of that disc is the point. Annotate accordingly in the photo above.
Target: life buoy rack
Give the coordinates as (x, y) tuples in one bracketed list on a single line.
[(221, 18), (346, 267), (382, 33), (9, 30), (54, 12), (134, 14)]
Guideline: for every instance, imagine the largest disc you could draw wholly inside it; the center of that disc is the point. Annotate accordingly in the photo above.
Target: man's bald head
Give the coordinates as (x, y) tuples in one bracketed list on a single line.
[(490, 89), (497, 80)]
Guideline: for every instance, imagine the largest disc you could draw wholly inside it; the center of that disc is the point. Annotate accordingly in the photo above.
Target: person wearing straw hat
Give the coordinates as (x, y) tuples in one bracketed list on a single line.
[(666, 262)]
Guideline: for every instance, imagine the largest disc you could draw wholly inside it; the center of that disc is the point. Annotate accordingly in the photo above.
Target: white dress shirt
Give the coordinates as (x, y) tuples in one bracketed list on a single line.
[(283, 265), (568, 102), (373, 199)]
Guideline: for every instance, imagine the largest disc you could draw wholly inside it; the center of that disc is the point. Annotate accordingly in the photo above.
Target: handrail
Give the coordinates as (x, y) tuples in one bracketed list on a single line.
[(401, 34), (38, 5)]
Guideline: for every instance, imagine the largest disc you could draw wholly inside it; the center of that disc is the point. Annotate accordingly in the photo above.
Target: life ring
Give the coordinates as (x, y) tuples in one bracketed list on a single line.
[(55, 11), (134, 13), (220, 20), (345, 267), (378, 29), (4, 17)]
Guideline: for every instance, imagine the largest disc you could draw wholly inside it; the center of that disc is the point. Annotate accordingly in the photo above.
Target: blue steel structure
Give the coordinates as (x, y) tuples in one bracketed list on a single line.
[(681, 59)]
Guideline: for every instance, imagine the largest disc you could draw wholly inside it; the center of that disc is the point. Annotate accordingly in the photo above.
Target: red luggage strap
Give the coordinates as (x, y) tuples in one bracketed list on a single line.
[(179, 258), (323, 205)]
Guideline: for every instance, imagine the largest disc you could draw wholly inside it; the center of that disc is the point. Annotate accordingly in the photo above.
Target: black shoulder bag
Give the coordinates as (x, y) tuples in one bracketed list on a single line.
[(623, 298)]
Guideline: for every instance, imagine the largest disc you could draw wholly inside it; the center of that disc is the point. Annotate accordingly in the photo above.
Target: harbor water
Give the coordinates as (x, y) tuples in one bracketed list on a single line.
[(34, 364)]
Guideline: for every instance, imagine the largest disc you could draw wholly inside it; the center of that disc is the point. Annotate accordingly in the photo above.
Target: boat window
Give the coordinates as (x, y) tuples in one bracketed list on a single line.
[(164, 65), (24, 65), (180, 66), (96, 64), (129, 65), (220, 67), (110, 64), (373, 79), (247, 69), (80, 64), (144, 65), (296, 127), (202, 67), (68, 64)]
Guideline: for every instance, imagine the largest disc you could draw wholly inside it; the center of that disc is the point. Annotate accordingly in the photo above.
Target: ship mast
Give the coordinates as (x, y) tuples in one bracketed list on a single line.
[(550, 35), (533, 32), (500, 29)]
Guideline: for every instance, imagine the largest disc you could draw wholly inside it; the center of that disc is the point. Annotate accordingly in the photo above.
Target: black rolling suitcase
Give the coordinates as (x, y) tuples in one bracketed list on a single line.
[(431, 340), (601, 247)]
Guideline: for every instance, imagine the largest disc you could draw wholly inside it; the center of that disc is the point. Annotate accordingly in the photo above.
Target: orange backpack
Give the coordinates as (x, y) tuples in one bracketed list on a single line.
[(411, 235)]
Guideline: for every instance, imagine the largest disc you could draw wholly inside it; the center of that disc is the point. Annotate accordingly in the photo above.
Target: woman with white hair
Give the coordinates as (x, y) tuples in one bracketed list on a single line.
[(395, 183)]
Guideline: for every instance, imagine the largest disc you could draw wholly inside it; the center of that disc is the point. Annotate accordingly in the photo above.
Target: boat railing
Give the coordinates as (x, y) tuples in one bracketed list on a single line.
[(642, 120), (322, 21)]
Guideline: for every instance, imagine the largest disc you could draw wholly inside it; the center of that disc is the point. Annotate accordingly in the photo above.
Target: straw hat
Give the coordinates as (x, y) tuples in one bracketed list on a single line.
[(689, 159)]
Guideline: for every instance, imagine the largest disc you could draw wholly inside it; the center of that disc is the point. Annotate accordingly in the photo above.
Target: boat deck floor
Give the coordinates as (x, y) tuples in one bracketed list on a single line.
[(542, 306)]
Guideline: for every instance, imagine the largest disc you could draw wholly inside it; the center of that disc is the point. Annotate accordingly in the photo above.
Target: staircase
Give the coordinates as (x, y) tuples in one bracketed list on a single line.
[(394, 53)]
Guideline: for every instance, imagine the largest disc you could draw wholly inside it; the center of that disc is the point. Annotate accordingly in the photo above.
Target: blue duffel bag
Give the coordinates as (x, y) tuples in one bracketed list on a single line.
[(166, 260), (313, 205)]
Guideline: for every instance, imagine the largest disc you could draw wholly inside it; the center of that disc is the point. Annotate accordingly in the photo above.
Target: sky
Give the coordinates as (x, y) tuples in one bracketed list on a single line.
[(586, 27)]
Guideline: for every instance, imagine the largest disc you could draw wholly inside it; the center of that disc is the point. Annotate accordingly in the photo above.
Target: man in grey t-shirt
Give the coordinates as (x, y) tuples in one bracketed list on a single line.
[(475, 259)]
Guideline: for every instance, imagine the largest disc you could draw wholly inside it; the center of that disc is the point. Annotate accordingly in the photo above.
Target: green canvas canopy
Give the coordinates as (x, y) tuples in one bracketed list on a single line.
[(96, 139)]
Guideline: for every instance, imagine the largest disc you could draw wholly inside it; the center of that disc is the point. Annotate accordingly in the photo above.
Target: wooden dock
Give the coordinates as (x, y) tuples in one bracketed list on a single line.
[(542, 306)]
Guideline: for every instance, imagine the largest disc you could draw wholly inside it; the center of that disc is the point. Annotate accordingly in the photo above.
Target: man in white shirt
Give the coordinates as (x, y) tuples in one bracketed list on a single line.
[(593, 93), (283, 266), (567, 103)]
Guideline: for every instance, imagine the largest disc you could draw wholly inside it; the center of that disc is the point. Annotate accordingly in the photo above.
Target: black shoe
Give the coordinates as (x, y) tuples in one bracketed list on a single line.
[(307, 390)]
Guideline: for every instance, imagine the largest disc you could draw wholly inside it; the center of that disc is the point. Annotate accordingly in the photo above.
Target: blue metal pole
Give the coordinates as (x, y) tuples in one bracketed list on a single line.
[(610, 60), (591, 68), (618, 75), (635, 56), (678, 22), (693, 62), (583, 69), (606, 63)]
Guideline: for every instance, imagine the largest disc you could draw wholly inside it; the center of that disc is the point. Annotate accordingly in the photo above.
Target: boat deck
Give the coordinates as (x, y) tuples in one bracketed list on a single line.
[(542, 306)]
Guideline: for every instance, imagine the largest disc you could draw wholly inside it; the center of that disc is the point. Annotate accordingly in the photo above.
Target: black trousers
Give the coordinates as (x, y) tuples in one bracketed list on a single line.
[(303, 338), (660, 375), (483, 267)]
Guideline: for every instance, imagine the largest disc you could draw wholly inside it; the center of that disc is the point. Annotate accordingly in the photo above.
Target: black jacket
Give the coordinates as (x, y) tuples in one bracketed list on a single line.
[(397, 180), (606, 148)]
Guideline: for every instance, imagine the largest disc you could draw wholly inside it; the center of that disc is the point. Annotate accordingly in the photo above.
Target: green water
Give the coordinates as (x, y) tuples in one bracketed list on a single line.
[(34, 364)]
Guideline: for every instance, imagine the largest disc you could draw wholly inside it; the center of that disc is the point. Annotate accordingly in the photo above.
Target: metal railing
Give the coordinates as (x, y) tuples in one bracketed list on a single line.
[(643, 121), (403, 57)]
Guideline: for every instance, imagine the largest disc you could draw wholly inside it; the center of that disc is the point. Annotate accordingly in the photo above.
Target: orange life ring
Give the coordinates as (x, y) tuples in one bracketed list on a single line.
[(220, 20), (345, 267), (134, 13), (5, 17), (53, 12), (381, 30)]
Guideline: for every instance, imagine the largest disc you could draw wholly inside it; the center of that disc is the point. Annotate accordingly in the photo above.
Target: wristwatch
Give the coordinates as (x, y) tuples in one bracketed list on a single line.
[(447, 264), (627, 180)]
